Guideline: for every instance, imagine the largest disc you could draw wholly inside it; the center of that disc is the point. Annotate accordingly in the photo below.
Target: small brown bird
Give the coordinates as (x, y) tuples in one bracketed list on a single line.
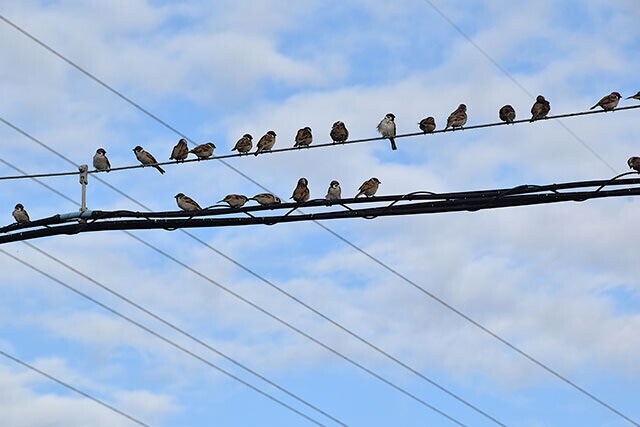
[(244, 144), (266, 143), (387, 128), (20, 215), (100, 161), (339, 132), (507, 114), (636, 96), (540, 108), (608, 102), (146, 158), (180, 151), (427, 125), (369, 187), (301, 192), (304, 138), (204, 151), (334, 192), (458, 118), (235, 200), (634, 163), (186, 203), (266, 199)]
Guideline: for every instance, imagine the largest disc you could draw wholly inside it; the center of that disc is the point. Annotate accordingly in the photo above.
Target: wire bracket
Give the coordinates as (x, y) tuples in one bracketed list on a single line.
[(84, 180)]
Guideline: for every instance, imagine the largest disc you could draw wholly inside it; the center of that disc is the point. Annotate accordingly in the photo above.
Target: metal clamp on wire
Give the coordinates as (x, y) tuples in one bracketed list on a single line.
[(84, 180)]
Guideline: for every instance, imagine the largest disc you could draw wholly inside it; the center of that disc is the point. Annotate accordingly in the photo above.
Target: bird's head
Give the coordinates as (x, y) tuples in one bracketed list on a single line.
[(462, 107), (303, 181), (338, 124), (376, 180), (390, 116), (179, 196), (334, 184), (248, 136), (616, 94), (19, 207), (272, 133), (211, 144), (540, 98), (101, 151), (137, 149)]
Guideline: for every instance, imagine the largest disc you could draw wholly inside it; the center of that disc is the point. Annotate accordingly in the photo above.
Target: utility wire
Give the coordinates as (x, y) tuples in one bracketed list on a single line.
[(281, 321), (157, 335), (70, 387), (326, 228), (313, 146)]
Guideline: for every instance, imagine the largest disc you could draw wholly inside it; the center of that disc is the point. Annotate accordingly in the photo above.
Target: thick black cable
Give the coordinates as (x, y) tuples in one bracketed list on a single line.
[(72, 388)]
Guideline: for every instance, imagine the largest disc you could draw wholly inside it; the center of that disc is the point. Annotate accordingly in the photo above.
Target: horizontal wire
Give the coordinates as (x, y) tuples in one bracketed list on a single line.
[(313, 146)]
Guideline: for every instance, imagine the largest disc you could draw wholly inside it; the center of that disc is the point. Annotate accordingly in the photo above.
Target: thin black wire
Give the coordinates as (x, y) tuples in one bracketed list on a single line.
[(180, 330), (72, 388), (157, 335), (335, 234), (279, 320)]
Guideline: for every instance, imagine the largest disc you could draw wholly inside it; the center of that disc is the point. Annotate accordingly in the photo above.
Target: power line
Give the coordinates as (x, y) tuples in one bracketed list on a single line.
[(70, 387), (323, 226), (313, 146), (276, 318), (157, 335)]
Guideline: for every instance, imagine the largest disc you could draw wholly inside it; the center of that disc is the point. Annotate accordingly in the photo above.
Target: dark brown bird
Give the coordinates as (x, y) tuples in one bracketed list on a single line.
[(369, 187), (186, 203), (339, 132), (266, 199), (634, 163), (204, 151), (266, 143), (301, 192), (235, 200), (244, 144), (427, 125), (304, 138), (540, 108), (507, 114), (20, 215), (458, 118), (147, 158), (180, 151), (608, 102)]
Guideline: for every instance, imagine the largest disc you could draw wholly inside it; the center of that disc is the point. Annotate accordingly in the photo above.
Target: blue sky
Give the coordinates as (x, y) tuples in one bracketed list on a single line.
[(558, 281)]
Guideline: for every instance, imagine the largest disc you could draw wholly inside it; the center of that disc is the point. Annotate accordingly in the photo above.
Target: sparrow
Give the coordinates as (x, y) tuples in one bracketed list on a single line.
[(458, 118), (21, 216), (633, 162), (301, 192), (339, 132), (204, 151), (636, 96), (244, 144), (235, 200), (427, 125), (608, 102), (186, 203), (146, 158), (266, 199), (180, 151), (266, 143), (540, 108), (303, 137), (369, 187), (334, 192), (387, 128), (507, 114), (100, 161)]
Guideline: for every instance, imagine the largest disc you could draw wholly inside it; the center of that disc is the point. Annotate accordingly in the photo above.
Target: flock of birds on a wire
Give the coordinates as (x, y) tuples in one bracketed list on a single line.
[(304, 137)]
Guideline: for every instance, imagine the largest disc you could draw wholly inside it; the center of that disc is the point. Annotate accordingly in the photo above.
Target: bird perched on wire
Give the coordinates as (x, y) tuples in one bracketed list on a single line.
[(100, 161), (235, 200), (266, 199), (369, 187), (387, 128), (339, 132), (244, 144), (186, 203), (304, 138), (507, 114), (636, 96), (608, 102), (204, 151), (266, 143), (180, 151), (301, 192), (458, 118), (540, 108), (20, 215), (634, 163), (334, 192), (427, 125), (146, 158)]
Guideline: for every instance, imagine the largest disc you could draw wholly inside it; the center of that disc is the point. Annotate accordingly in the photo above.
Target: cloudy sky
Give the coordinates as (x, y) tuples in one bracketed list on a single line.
[(558, 281)]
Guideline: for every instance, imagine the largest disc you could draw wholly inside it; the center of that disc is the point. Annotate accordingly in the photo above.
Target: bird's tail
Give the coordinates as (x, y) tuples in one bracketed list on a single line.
[(162, 171), (630, 97), (393, 144), (256, 153), (593, 107)]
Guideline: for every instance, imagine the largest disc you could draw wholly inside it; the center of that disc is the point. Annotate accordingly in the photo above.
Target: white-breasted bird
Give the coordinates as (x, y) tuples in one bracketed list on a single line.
[(507, 113), (20, 215), (266, 143), (339, 132), (334, 192), (146, 158), (235, 200), (204, 151), (301, 192), (244, 144), (186, 203), (458, 118), (387, 128), (100, 160), (369, 187), (540, 108), (304, 137), (427, 125), (608, 102), (266, 199), (180, 151)]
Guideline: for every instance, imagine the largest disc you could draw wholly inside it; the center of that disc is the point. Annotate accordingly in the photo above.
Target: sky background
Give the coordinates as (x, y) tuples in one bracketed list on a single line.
[(559, 281)]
